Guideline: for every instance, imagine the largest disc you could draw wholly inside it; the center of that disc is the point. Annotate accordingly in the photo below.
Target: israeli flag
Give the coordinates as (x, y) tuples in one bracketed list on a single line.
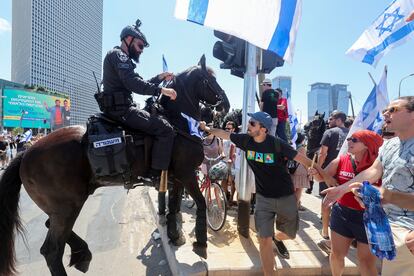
[(164, 64), (388, 31), (370, 117), (268, 24), (27, 135), (293, 123), (193, 125)]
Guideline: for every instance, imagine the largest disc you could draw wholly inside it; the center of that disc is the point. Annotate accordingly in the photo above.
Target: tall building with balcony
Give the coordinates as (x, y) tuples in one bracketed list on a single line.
[(284, 83), (58, 44), (325, 97)]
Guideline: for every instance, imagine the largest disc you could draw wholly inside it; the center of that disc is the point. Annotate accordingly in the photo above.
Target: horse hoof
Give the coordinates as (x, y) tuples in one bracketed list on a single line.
[(83, 266), (81, 260), (200, 249), (179, 241)]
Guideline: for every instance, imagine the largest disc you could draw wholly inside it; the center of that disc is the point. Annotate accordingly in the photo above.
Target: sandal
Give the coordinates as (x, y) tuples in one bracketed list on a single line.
[(324, 237), (325, 246)]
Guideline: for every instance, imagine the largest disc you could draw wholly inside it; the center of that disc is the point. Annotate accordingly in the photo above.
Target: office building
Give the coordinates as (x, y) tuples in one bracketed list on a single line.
[(58, 45), (284, 83), (325, 97)]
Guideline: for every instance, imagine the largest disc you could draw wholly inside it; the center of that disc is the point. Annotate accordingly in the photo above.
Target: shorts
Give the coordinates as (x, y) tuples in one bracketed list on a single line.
[(283, 208), (322, 186), (348, 222), (403, 264)]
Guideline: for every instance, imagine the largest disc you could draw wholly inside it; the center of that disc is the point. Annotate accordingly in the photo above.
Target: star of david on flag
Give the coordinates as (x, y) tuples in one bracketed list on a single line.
[(370, 117), (269, 24), (388, 31)]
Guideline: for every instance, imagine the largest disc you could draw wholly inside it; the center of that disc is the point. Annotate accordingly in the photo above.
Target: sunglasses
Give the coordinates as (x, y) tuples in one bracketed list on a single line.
[(253, 123), (352, 139), (141, 46), (391, 109)]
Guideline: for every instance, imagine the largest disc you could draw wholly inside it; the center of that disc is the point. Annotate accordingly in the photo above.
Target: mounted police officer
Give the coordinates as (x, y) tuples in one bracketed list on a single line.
[(120, 80)]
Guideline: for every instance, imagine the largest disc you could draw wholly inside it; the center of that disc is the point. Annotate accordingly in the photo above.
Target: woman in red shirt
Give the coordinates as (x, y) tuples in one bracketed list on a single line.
[(347, 215)]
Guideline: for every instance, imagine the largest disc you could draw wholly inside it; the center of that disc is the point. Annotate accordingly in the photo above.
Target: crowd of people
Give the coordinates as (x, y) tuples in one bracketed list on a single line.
[(11, 145), (386, 161)]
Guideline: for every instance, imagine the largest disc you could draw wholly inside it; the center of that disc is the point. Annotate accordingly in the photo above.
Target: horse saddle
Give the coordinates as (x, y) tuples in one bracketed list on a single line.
[(112, 148)]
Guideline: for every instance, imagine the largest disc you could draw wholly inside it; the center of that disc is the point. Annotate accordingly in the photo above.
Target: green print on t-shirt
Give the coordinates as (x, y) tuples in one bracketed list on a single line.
[(267, 158)]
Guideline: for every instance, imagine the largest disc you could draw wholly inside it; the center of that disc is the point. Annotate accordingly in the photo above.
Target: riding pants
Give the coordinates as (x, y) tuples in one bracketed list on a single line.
[(160, 128)]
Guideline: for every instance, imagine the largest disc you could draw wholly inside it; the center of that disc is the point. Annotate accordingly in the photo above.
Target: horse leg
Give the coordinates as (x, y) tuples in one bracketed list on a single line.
[(80, 256), (54, 244), (200, 246), (174, 231)]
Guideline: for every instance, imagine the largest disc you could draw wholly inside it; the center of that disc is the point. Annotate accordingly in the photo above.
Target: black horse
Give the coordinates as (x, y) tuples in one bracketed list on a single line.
[(314, 130), (57, 175)]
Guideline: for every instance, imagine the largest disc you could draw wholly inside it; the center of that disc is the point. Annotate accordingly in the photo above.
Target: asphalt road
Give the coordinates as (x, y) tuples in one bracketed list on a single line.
[(117, 227)]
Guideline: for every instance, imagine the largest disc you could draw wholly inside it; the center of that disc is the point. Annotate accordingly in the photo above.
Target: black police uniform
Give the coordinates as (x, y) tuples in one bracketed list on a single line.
[(119, 81)]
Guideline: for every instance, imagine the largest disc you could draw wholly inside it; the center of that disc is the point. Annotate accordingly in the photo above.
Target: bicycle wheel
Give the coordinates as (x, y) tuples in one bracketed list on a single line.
[(216, 206)]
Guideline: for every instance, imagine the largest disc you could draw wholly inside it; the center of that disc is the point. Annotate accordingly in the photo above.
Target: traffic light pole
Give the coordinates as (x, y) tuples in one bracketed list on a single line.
[(244, 193)]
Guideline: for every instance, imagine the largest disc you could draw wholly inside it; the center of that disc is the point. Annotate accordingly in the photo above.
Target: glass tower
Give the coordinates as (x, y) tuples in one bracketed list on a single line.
[(58, 44)]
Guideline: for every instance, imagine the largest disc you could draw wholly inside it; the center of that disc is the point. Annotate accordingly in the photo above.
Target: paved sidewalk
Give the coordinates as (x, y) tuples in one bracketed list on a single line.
[(231, 254)]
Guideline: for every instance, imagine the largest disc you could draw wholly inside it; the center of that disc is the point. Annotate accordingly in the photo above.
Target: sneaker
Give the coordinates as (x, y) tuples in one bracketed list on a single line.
[(281, 249)]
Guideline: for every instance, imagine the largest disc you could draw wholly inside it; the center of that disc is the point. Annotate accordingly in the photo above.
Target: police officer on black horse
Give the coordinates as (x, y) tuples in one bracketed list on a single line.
[(120, 80)]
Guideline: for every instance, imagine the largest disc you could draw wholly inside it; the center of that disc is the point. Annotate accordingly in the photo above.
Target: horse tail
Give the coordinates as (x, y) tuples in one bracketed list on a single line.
[(10, 184)]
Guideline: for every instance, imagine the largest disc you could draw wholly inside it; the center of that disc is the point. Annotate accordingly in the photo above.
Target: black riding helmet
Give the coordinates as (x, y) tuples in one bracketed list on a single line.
[(135, 32)]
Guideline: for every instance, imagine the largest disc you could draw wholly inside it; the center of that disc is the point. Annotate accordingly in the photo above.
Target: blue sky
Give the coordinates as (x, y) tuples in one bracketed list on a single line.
[(327, 30)]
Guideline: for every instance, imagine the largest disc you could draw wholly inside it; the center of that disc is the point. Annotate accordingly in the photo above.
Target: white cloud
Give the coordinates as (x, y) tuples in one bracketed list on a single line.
[(4, 25)]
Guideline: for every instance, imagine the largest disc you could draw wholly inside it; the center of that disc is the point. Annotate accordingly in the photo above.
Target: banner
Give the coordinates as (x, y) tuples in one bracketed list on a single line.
[(27, 109)]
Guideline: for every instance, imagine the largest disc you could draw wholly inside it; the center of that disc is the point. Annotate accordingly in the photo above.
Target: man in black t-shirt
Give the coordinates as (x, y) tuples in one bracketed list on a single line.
[(331, 144), (265, 155), (268, 103)]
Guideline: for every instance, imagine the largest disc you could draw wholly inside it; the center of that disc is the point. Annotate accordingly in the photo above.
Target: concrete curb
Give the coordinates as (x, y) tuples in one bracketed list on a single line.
[(230, 254)]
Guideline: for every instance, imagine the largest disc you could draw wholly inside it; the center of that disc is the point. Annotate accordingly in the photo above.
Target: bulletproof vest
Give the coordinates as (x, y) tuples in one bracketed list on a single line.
[(106, 148)]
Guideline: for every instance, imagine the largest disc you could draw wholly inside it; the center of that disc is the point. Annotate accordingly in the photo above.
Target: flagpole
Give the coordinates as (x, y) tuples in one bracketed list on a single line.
[(369, 74), (244, 193)]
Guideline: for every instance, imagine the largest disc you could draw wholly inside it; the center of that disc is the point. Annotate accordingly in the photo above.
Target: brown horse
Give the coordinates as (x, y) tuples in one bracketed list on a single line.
[(57, 175)]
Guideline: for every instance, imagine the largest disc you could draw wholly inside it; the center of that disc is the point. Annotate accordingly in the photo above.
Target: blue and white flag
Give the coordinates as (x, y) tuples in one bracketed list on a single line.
[(269, 24), (370, 117), (293, 123), (193, 125), (27, 135), (164, 64), (388, 31)]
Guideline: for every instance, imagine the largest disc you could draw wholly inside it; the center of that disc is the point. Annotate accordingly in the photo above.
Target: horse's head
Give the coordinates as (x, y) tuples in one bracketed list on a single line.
[(315, 128), (198, 85)]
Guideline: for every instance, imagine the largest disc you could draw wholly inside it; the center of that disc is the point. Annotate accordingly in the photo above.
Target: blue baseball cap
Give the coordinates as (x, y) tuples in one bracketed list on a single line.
[(263, 118)]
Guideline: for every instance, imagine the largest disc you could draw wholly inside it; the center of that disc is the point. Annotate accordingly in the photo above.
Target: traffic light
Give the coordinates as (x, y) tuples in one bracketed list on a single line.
[(270, 61), (230, 51)]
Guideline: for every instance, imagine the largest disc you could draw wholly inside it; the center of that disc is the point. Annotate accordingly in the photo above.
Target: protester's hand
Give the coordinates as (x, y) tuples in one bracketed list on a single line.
[(312, 171), (409, 241), (203, 126), (332, 195), (165, 76), (356, 190), (169, 92)]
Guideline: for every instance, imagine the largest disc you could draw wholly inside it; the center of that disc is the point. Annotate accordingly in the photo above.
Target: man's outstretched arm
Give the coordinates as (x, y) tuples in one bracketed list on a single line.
[(215, 131)]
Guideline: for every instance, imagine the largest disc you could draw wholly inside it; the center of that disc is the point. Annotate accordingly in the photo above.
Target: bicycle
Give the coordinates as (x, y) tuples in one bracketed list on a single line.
[(216, 201)]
